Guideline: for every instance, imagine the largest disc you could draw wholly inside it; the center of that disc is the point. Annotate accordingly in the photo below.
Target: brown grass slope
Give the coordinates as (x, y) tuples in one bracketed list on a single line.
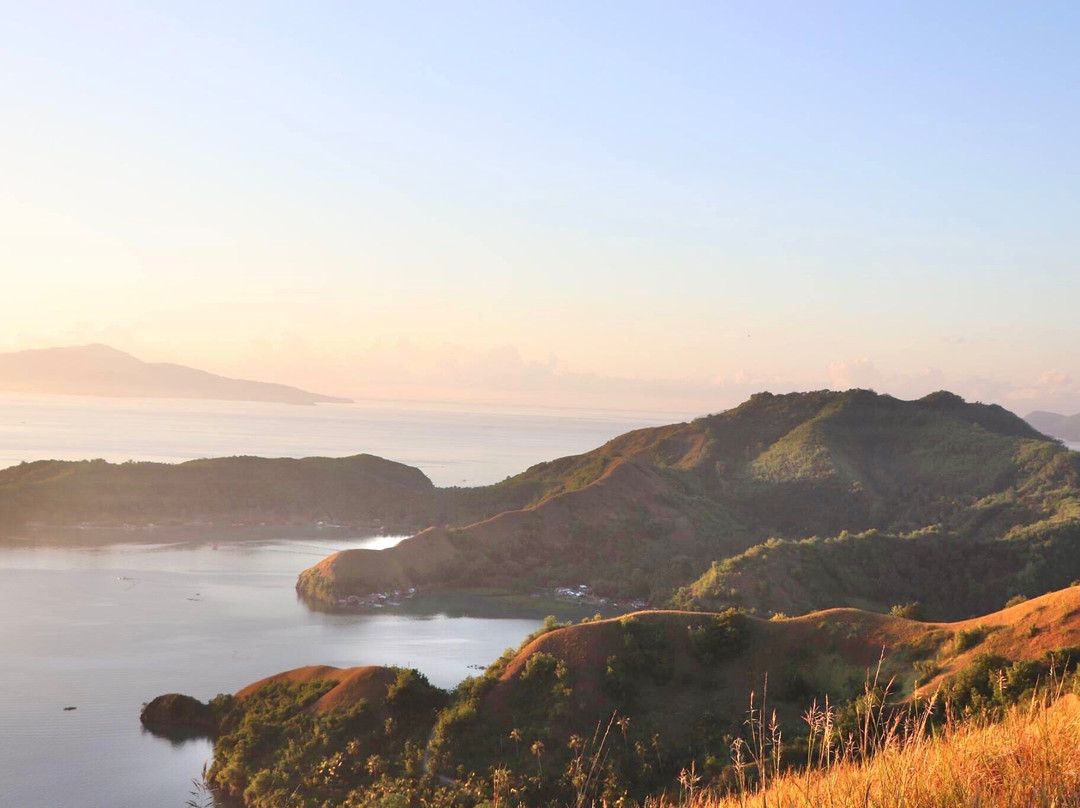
[(831, 651), (369, 683), (560, 684), (1029, 758), (651, 509)]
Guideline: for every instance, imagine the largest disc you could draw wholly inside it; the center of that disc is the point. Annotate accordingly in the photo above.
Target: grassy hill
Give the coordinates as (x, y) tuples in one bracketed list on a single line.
[(949, 576), (648, 512), (683, 681), (613, 709), (233, 490), (360, 491)]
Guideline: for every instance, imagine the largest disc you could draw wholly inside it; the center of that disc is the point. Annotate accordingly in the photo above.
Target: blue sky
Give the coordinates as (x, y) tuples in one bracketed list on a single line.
[(609, 203)]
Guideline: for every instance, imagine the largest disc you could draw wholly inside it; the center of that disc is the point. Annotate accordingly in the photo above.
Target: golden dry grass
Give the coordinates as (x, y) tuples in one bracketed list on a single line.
[(351, 684), (1029, 759)]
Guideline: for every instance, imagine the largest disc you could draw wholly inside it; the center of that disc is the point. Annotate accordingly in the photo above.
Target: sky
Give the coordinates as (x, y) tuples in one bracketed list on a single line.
[(623, 205)]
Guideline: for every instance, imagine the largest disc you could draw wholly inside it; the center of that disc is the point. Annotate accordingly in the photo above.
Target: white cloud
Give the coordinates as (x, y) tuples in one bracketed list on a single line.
[(855, 373)]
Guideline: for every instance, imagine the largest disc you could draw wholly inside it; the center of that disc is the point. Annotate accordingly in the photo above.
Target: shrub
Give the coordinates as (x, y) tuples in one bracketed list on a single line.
[(967, 638), (908, 611), (925, 670), (721, 636)]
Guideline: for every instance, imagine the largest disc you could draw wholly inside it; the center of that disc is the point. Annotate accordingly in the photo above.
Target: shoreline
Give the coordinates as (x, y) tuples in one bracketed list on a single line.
[(477, 602), (76, 536)]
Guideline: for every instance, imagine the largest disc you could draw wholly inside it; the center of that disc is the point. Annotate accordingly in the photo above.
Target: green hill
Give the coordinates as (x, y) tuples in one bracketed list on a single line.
[(362, 490), (650, 511)]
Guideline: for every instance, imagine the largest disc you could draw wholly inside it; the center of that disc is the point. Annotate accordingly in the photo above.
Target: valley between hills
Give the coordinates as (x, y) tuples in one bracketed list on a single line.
[(848, 547)]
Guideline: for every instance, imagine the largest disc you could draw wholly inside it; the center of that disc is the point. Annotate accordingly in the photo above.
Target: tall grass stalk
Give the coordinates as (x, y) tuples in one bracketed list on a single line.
[(1030, 758)]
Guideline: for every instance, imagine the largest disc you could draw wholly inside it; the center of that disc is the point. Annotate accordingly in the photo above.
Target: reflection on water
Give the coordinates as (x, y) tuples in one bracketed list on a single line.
[(177, 736), (107, 629)]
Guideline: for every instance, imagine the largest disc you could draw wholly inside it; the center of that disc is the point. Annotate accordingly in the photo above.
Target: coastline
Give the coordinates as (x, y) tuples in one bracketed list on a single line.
[(75, 536)]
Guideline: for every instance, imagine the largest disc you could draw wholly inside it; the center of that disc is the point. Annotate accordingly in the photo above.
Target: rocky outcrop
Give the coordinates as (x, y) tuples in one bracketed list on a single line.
[(178, 710)]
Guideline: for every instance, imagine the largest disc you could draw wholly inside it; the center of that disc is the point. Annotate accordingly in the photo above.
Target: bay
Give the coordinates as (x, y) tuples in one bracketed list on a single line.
[(105, 630)]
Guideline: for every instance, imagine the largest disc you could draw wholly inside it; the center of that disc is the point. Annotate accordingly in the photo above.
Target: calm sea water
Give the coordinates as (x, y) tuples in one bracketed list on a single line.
[(452, 444), (105, 630)]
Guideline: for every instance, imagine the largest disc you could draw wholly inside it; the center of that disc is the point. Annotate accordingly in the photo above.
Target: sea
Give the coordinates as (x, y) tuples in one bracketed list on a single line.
[(454, 444), (104, 629)]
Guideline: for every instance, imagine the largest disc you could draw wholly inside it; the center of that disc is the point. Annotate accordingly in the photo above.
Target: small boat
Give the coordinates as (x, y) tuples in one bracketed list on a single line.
[(69, 709)]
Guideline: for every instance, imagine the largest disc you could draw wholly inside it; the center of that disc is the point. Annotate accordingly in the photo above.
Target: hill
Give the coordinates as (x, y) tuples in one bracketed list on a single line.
[(804, 501), (362, 490), (98, 370), (216, 494), (617, 708), (339, 730), (1065, 427), (648, 512), (673, 688), (948, 575)]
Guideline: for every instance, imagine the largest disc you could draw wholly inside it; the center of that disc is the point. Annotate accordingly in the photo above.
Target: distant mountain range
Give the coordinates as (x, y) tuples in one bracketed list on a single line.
[(1065, 427), (98, 370)]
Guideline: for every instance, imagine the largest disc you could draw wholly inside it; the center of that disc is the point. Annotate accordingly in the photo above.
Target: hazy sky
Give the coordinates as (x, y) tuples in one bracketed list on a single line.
[(621, 204)]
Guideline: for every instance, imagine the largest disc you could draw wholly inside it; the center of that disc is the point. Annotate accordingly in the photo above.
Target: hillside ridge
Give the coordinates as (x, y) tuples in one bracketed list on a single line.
[(649, 511)]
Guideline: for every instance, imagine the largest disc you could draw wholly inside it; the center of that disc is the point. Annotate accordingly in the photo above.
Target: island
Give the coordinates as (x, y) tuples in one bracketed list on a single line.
[(98, 370)]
